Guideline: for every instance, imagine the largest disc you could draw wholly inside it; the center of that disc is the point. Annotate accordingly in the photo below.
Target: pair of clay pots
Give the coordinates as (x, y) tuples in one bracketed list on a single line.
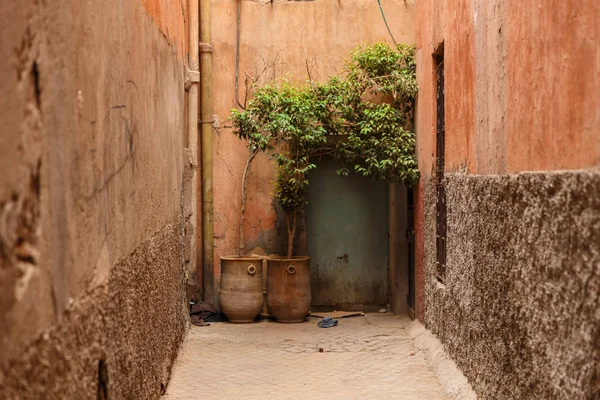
[(288, 288)]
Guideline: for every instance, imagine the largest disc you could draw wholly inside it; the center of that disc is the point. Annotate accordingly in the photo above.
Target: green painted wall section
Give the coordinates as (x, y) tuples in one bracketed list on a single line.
[(347, 233)]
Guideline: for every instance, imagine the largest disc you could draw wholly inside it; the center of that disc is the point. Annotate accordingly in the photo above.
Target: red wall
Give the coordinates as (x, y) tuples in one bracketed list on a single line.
[(522, 84)]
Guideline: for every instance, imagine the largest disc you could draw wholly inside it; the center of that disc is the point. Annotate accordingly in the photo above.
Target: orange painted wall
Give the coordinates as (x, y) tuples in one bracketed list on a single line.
[(91, 144), (521, 94), (170, 16), (459, 56), (522, 84), (553, 85)]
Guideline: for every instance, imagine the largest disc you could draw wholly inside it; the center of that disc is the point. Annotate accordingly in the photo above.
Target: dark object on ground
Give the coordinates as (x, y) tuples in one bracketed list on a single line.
[(196, 320), (327, 322), (202, 313)]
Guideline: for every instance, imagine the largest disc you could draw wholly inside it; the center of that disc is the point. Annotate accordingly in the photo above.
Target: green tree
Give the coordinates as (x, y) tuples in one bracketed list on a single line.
[(374, 109), (283, 119), (370, 105)]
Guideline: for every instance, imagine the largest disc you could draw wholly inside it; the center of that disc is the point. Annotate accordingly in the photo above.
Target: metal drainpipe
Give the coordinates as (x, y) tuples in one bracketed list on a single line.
[(206, 50), (192, 79)]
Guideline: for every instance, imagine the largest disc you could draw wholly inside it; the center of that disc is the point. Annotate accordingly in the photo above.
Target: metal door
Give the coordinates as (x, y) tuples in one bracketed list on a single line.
[(347, 235)]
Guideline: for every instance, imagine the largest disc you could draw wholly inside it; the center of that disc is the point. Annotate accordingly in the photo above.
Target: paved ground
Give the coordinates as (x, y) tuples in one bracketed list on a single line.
[(369, 357)]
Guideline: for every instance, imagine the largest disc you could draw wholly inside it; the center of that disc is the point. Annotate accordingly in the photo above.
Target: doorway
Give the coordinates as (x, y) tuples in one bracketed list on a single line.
[(348, 239)]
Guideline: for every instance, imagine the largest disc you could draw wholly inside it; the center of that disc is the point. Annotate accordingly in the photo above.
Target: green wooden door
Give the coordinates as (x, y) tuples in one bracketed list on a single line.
[(347, 235)]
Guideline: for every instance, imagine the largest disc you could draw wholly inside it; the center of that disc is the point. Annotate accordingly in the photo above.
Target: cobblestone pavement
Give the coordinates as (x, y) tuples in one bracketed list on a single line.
[(370, 357)]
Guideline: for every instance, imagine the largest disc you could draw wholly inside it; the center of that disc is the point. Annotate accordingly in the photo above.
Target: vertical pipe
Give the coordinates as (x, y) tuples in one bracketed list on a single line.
[(191, 209), (207, 152)]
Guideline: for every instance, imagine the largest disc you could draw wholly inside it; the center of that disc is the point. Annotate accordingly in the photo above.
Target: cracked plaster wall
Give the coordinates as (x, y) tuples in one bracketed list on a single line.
[(279, 39), (91, 249)]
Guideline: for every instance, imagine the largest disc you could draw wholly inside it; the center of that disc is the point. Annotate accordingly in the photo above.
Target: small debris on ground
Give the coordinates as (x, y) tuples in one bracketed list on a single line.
[(321, 349), (327, 322), (383, 311), (196, 320), (412, 353)]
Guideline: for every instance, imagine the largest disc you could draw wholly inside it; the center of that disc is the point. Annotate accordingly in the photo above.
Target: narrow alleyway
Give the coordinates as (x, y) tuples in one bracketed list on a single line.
[(370, 357)]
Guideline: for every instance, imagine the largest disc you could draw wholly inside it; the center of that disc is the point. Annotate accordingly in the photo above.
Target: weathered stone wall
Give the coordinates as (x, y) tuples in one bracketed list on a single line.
[(91, 149), (519, 307)]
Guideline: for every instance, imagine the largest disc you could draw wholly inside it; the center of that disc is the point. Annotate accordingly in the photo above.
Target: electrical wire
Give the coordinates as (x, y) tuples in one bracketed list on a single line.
[(386, 24), (237, 47), (237, 55)]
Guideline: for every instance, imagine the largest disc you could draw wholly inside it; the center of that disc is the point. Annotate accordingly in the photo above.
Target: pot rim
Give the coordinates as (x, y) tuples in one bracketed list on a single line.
[(241, 258)]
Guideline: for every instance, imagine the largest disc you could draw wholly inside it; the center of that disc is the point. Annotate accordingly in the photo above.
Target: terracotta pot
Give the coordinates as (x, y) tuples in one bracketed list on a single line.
[(241, 294), (288, 288)]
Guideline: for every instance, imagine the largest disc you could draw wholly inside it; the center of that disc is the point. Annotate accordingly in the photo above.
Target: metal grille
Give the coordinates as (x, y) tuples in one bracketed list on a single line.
[(439, 173), (410, 237)]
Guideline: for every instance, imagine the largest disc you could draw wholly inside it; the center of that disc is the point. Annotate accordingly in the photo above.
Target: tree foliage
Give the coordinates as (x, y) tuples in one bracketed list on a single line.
[(380, 90), (370, 105)]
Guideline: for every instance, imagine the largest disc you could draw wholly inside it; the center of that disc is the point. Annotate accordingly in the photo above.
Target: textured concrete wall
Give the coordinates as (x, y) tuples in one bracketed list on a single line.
[(518, 310), (288, 35), (90, 198)]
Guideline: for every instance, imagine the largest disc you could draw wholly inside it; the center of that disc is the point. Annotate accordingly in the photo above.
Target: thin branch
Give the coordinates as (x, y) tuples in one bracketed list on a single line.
[(310, 78)]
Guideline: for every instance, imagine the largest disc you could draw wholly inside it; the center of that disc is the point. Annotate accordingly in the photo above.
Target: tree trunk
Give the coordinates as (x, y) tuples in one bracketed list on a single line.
[(243, 210), (291, 229)]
